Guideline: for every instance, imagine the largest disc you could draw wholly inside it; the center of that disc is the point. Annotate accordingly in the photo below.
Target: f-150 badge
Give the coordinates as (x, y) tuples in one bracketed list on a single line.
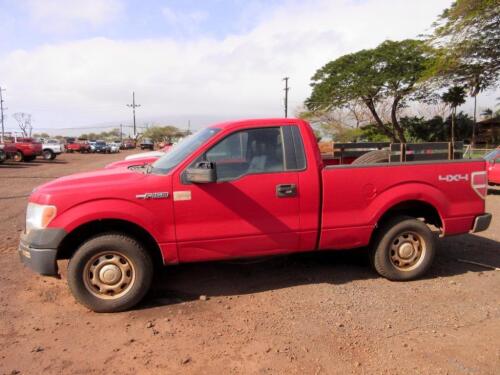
[(161, 195)]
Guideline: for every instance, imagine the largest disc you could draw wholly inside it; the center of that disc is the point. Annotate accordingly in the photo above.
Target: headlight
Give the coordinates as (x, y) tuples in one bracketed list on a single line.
[(38, 216)]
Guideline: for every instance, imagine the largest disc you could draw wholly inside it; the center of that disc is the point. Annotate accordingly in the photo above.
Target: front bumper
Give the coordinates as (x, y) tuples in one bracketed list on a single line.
[(38, 249), (481, 222)]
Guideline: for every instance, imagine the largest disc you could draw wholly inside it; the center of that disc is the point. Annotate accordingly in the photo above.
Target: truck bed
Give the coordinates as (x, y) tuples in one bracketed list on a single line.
[(356, 196)]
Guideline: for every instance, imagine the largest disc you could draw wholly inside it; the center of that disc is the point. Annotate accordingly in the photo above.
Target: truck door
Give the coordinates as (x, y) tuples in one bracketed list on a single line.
[(252, 209)]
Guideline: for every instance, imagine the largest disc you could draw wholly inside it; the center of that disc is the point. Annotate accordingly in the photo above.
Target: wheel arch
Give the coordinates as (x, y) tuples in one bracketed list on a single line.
[(414, 208), (74, 239)]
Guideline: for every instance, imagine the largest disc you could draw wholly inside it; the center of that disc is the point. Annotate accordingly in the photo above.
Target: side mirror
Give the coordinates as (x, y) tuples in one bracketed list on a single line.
[(204, 172)]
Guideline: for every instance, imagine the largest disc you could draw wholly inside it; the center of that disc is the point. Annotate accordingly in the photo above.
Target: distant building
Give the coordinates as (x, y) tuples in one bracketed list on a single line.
[(488, 132)]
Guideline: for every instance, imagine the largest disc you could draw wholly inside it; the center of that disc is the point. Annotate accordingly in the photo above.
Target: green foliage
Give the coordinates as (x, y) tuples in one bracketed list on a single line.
[(163, 133), (392, 71), (437, 129), (468, 33), (454, 96), (112, 135), (372, 133)]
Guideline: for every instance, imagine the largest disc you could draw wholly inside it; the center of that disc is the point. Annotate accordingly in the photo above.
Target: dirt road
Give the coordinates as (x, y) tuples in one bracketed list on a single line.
[(324, 313)]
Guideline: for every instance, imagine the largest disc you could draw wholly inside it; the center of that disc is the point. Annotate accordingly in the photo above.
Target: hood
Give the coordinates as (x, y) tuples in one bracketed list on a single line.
[(103, 183)]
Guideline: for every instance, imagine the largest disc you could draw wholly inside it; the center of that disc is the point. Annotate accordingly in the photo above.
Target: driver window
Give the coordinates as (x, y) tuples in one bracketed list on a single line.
[(248, 151)]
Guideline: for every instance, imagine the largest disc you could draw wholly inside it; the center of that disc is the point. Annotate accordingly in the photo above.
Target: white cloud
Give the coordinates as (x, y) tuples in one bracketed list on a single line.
[(65, 15), (90, 81)]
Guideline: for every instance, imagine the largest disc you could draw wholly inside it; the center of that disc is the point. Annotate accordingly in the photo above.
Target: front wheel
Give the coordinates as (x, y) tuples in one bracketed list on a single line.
[(404, 249), (47, 154), (109, 273), (18, 156)]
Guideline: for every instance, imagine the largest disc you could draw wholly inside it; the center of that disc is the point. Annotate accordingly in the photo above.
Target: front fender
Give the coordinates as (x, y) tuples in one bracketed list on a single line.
[(117, 209)]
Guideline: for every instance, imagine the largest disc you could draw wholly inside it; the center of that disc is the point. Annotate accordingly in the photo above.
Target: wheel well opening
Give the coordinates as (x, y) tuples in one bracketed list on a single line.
[(417, 209), (78, 236)]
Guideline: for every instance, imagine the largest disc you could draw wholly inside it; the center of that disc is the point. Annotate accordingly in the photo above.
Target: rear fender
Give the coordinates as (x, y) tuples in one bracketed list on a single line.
[(408, 192)]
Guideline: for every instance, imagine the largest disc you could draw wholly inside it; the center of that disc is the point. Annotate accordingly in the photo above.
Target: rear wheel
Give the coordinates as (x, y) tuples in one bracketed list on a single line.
[(47, 155), (111, 272), (404, 249)]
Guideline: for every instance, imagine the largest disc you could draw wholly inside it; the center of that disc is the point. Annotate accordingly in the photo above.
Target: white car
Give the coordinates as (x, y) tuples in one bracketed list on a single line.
[(150, 154), (114, 147), (51, 148)]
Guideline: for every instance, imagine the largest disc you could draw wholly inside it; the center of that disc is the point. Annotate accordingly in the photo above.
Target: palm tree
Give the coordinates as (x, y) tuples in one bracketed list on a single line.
[(454, 97)]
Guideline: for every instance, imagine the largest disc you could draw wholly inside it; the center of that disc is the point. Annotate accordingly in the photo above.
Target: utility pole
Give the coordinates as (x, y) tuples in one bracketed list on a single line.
[(1, 114), (286, 95), (121, 133), (134, 106), (189, 128)]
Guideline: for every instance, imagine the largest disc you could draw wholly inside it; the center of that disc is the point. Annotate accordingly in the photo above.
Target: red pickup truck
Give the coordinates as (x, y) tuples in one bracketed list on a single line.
[(244, 189), (27, 149)]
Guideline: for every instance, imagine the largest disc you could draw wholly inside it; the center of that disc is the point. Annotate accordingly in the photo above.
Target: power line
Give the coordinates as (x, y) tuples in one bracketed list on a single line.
[(134, 106), (286, 95)]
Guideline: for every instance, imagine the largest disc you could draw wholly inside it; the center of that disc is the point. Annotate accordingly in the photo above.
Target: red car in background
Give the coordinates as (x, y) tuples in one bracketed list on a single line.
[(493, 167), (78, 146)]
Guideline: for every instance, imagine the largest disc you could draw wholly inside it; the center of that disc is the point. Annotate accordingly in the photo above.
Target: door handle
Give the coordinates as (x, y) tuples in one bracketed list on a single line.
[(286, 190)]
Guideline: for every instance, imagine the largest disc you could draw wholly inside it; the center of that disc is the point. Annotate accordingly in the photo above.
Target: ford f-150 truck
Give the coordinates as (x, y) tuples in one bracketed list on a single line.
[(244, 189)]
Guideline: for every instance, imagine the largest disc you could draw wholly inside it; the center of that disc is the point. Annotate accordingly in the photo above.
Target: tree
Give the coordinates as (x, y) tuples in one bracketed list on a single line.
[(393, 71), (454, 97), (437, 129), (24, 122), (468, 36), (163, 133)]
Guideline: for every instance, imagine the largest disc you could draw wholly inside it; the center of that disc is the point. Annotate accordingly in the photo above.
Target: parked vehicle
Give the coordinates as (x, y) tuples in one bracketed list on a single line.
[(244, 189), (101, 147), (8, 150), (114, 147), (81, 146), (140, 158), (147, 144), (493, 159), (27, 149), (132, 162), (128, 144), (51, 148)]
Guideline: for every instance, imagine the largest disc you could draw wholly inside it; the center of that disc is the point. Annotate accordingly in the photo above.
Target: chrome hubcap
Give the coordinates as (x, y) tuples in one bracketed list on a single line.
[(407, 251), (109, 275)]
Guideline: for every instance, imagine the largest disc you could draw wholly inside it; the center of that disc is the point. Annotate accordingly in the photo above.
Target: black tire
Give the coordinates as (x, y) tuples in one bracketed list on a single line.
[(53, 156), (18, 156), (29, 158), (377, 156), (91, 256), (404, 249), (47, 154), (3, 156)]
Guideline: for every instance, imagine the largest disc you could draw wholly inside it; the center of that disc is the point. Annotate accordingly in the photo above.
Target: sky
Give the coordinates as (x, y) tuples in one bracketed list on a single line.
[(75, 64)]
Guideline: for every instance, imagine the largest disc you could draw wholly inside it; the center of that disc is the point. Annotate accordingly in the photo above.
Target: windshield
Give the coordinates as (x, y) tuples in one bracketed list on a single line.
[(178, 153)]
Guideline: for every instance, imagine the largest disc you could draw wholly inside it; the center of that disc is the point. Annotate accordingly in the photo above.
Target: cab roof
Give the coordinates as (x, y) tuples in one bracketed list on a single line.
[(228, 125)]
